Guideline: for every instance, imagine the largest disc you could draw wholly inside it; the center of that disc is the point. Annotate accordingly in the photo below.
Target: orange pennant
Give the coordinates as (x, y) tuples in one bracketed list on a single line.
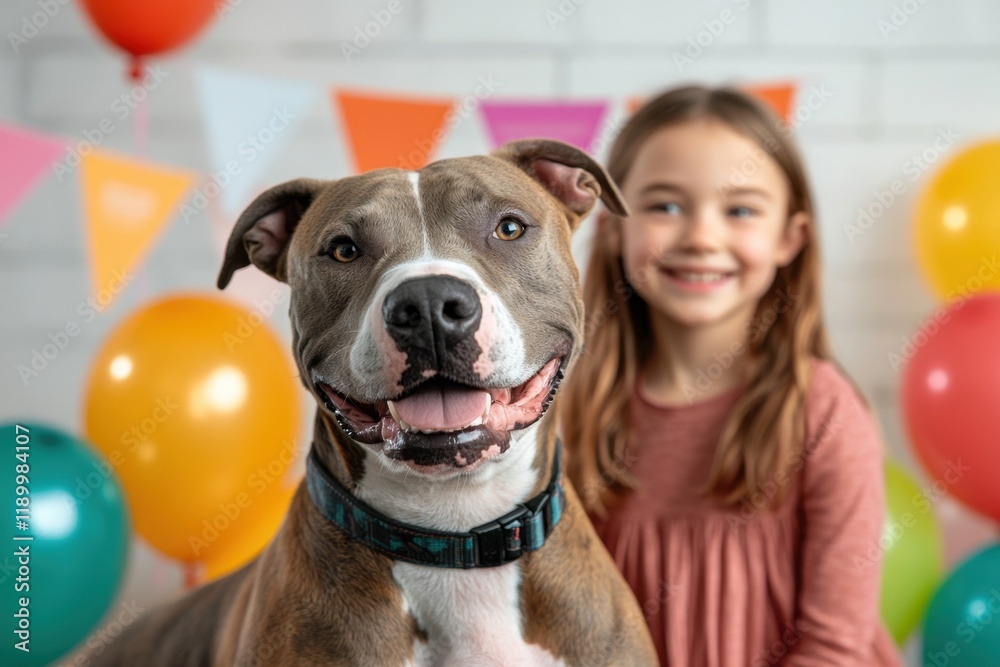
[(127, 204), (389, 131), (779, 97)]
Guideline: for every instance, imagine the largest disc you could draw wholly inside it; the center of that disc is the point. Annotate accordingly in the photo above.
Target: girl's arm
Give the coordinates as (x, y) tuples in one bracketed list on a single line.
[(843, 508)]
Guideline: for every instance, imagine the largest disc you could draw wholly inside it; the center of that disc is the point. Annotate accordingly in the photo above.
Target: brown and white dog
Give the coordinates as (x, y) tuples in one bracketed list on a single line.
[(433, 315)]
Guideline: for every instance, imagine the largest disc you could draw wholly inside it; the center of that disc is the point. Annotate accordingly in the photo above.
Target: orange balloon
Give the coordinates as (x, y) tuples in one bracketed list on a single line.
[(251, 541), (195, 403), (958, 224)]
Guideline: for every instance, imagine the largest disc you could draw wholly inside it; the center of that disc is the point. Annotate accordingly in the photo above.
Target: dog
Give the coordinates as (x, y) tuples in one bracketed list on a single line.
[(434, 313)]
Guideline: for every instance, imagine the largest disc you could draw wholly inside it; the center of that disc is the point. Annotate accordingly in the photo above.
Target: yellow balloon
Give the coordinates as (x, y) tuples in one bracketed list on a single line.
[(195, 403), (958, 224)]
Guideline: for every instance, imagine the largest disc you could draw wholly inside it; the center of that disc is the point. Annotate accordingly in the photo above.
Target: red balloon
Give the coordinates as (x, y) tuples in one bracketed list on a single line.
[(145, 27), (951, 402)]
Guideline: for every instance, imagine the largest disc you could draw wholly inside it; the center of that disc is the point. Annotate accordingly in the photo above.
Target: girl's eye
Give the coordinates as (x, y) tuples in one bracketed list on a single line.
[(509, 229), (670, 208), (742, 212), (343, 250)]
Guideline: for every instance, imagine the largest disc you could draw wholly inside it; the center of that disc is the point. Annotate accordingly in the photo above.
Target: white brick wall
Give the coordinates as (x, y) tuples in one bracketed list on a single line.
[(891, 94)]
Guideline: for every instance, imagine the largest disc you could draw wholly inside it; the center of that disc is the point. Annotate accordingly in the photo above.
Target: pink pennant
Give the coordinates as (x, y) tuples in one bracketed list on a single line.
[(25, 158), (576, 123)]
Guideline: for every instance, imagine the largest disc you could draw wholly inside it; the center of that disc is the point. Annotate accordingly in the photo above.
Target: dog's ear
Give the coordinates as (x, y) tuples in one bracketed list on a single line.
[(261, 235), (572, 176)]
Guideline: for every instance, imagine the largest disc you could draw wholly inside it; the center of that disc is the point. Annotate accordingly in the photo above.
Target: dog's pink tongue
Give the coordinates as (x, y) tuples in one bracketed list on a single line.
[(439, 409)]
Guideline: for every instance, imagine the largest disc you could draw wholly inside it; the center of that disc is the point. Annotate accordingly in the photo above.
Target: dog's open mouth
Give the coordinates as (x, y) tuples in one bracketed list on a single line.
[(445, 422)]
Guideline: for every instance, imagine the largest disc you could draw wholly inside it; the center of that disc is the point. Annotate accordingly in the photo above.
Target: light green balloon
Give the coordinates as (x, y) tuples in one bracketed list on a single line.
[(80, 530), (913, 560)]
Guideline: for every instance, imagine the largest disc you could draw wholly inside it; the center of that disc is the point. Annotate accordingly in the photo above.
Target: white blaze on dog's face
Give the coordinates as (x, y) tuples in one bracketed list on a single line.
[(433, 312)]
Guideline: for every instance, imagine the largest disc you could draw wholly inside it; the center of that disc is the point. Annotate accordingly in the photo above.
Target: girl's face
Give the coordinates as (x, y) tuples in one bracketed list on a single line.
[(709, 224)]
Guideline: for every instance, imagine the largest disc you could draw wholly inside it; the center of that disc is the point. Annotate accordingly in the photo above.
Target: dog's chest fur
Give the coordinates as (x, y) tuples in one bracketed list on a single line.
[(470, 617)]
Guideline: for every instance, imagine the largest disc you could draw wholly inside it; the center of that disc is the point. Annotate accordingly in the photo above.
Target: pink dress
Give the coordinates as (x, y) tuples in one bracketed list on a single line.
[(741, 587)]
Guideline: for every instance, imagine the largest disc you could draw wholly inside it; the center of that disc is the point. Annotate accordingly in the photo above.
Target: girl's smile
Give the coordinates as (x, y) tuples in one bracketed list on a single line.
[(710, 224)]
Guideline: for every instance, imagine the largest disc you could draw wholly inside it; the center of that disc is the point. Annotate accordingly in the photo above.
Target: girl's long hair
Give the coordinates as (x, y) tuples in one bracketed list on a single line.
[(765, 431)]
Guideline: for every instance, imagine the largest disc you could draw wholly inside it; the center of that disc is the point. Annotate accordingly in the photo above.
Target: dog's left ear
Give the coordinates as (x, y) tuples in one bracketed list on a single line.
[(569, 174), (261, 235)]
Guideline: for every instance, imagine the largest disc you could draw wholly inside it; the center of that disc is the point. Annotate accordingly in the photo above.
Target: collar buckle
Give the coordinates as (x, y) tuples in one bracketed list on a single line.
[(499, 541)]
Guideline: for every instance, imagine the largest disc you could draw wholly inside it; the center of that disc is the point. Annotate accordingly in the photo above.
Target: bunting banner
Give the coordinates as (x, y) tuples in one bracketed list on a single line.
[(247, 120), (576, 123), (391, 130), (25, 157), (127, 203)]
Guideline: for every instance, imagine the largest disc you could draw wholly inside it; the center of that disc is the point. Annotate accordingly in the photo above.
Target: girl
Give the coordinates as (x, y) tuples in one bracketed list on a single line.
[(730, 467)]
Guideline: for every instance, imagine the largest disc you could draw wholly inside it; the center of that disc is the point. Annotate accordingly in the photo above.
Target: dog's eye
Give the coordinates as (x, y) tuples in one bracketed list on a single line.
[(509, 229), (343, 250)]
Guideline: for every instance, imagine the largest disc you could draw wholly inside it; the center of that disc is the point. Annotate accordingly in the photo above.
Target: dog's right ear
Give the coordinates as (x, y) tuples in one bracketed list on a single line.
[(261, 235)]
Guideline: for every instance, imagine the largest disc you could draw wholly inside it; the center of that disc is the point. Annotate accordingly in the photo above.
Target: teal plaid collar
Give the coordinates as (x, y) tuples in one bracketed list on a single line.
[(494, 543)]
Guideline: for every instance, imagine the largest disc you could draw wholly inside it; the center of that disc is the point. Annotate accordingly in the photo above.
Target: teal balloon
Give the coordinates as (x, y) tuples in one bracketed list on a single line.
[(962, 626), (79, 530)]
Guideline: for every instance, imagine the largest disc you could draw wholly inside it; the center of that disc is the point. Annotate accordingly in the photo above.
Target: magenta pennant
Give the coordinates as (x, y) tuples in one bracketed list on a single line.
[(25, 158), (576, 123)]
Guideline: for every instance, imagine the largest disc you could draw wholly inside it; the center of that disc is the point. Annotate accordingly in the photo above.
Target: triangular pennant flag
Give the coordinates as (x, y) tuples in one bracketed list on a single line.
[(778, 96), (633, 103), (575, 123), (127, 204), (247, 119), (24, 159), (391, 131)]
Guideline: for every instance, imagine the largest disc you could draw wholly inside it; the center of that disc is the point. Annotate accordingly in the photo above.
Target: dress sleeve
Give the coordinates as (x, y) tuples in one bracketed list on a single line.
[(843, 506)]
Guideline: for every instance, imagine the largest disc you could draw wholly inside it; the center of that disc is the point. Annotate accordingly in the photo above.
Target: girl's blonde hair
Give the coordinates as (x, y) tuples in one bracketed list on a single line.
[(765, 431)]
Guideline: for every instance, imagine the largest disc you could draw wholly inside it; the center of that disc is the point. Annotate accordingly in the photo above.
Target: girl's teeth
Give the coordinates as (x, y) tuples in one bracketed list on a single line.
[(700, 277)]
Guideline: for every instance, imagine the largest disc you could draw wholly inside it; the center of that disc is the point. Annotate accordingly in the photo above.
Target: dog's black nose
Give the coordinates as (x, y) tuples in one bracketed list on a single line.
[(433, 316)]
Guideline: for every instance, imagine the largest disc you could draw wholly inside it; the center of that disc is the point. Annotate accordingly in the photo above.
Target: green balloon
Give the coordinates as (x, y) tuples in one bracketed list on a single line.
[(962, 628), (912, 561), (79, 530)]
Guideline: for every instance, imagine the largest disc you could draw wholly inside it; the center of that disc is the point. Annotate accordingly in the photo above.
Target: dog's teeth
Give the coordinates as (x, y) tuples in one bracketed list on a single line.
[(392, 409), (484, 418)]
